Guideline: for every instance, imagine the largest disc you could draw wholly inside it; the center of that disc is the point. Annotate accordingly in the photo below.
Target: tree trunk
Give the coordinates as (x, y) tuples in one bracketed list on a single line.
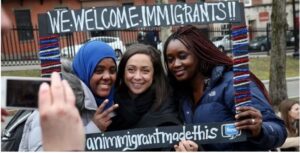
[(278, 87), (165, 32)]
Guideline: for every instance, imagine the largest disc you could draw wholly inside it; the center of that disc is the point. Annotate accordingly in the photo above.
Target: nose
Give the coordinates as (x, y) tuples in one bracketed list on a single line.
[(177, 63), (137, 75), (106, 75)]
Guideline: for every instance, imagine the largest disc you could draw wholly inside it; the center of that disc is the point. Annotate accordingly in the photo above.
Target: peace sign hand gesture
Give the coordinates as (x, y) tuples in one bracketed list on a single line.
[(102, 118)]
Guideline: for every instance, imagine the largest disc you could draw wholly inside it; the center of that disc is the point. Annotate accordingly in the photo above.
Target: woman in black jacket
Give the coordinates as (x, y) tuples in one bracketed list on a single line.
[(142, 92)]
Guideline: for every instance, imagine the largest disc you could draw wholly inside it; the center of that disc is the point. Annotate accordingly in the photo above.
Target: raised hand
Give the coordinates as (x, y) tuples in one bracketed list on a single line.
[(62, 128), (102, 118), (249, 118)]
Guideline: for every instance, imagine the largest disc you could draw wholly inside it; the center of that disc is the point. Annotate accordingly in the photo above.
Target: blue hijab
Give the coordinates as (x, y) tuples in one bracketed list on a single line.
[(86, 60)]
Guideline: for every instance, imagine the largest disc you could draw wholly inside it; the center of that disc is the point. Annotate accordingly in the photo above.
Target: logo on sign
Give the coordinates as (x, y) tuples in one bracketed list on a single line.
[(229, 130)]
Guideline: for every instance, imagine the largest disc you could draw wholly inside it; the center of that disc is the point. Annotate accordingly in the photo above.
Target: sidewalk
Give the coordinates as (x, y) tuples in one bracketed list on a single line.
[(292, 86), (24, 67)]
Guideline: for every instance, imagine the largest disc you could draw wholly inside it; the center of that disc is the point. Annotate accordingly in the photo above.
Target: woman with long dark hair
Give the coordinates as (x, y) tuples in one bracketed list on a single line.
[(202, 79), (289, 110), (142, 92)]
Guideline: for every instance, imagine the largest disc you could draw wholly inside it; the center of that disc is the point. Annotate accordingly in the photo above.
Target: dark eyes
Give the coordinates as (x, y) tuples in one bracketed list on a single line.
[(100, 70), (130, 70), (143, 70), (180, 56), (170, 59)]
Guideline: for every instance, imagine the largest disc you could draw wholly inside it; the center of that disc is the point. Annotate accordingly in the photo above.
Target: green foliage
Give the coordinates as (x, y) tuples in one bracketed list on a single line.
[(28, 73), (261, 67)]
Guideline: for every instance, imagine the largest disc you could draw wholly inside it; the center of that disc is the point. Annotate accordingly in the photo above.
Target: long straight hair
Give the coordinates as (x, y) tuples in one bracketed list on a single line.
[(206, 52), (160, 83), (284, 108)]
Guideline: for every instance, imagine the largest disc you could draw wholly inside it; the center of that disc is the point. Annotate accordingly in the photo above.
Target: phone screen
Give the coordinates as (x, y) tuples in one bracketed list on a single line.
[(23, 93)]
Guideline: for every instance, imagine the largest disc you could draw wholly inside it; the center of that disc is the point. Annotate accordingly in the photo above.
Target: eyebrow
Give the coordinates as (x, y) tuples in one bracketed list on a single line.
[(103, 66), (141, 66)]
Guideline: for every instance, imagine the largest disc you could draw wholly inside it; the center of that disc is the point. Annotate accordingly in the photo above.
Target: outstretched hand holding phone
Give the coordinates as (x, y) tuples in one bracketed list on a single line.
[(62, 128)]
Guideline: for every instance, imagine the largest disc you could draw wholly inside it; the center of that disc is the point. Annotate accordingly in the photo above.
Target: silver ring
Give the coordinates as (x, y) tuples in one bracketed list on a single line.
[(253, 121)]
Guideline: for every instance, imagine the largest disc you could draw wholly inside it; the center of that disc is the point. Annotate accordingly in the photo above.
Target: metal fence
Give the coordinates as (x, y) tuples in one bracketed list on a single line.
[(20, 46)]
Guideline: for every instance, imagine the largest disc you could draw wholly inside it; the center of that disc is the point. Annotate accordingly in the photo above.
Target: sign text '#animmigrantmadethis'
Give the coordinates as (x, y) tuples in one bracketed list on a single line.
[(109, 18), (163, 137)]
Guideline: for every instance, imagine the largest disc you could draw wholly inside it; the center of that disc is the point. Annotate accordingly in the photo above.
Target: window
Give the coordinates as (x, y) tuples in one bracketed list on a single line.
[(181, 1), (128, 4), (24, 25)]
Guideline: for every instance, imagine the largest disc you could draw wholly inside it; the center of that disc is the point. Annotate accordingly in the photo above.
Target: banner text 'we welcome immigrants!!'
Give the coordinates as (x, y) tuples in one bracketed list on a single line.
[(109, 18)]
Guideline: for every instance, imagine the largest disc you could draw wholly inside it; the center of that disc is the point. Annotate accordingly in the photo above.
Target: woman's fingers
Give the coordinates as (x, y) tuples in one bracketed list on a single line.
[(44, 98), (110, 110), (194, 146), (190, 145), (57, 88), (69, 94), (186, 145), (249, 118), (181, 146), (101, 107)]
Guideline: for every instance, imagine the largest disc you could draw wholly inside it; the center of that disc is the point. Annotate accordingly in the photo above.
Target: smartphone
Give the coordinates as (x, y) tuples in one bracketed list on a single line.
[(21, 92)]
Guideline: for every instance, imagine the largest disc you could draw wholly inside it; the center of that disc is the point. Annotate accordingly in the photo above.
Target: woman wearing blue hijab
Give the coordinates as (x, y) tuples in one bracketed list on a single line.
[(95, 64)]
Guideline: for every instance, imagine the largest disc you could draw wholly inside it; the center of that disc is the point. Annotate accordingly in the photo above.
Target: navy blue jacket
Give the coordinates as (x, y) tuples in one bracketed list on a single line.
[(217, 105)]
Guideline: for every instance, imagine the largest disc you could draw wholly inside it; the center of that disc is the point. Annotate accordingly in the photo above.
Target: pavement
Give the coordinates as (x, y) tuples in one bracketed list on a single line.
[(20, 67)]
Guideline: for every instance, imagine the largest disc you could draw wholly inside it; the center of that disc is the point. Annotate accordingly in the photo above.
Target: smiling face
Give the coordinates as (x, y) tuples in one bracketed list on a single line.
[(103, 77), (294, 112), (138, 75), (182, 63)]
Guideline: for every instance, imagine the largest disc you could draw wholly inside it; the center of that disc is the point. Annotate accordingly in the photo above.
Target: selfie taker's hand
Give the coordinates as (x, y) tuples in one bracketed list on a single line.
[(62, 128), (186, 145), (102, 118), (3, 114), (249, 118)]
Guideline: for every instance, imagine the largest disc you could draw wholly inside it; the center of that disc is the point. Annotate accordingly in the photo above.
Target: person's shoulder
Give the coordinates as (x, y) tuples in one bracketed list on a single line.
[(228, 75)]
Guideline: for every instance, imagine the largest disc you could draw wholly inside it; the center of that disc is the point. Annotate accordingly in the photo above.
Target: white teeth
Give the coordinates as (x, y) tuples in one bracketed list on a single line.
[(104, 86), (137, 85)]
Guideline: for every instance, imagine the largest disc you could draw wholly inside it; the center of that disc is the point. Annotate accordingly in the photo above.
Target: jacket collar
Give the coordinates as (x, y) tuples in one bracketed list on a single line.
[(89, 100), (216, 74)]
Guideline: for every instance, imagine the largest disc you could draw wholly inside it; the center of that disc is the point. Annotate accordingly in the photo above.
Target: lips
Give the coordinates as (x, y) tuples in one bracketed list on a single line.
[(104, 86), (137, 85), (179, 73)]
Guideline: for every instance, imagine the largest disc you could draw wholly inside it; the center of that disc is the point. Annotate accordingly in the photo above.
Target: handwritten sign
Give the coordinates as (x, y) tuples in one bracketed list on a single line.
[(163, 137), (110, 18)]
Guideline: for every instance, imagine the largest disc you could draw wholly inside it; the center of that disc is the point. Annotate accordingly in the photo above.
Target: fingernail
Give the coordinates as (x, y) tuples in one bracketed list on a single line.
[(43, 86), (236, 116), (238, 108)]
